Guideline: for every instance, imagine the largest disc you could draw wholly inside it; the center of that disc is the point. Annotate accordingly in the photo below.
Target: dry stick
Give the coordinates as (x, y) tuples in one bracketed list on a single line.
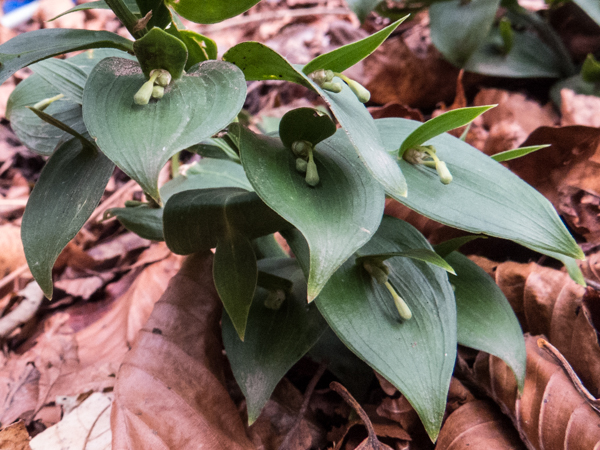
[(343, 392), (13, 202), (33, 297), (13, 275), (274, 15), (285, 445), (562, 362)]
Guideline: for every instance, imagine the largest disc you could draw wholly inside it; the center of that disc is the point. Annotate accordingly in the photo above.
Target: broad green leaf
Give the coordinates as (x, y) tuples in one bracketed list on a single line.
[(200, 48), (275, 338), (485, 319), (210, 11), (445, 248), (196, 220), (440, 124), (99, 4), (458, 28), (235, 274), (517, 153), (27, 48), (419, 254), (345, 57), (66, 77), (207, 173), (417, 355), (529, 57), (160, 50), (362, 8), (259, 62), (484, 196), (68, 191), (337, 216), (141, 139), (217, 148), (591, 8), (64, 127), (36, 134), (305, 124), (572, 267)]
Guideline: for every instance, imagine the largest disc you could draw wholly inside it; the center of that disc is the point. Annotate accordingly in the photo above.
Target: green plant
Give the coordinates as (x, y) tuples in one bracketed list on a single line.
[(397, 303)]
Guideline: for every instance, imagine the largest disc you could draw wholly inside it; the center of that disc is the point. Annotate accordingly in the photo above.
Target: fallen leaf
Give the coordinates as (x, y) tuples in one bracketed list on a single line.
[(478, 425), (550, 413), (170, 389), (579, 109), (86, 427), (12, 255), (14, 437)]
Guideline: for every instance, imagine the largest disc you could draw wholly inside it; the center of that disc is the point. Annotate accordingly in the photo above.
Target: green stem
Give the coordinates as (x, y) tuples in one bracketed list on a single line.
[(175, 165), (126, 17)]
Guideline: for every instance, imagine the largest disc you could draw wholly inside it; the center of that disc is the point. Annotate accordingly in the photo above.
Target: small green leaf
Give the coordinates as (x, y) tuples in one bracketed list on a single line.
[(99, 4), (517, 152), (337, 216), (486, 321), (66, 77), (444, 122), (210, 11), (305, 124), (235, 273), (259, 62), (161, 16), (418, 254), (196, 220), (275, 339), (417, 355), (27, 48), (68, 191), (200, 48), (458, 28), (64, 127), (159, 50), (484, 197), (445, 248), (345, 57), (590, 71), (141, 139)]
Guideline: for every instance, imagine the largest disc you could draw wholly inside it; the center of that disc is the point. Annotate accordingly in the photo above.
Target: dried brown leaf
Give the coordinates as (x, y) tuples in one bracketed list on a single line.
[(478, 425), (170, 389), (550, 414), (548, 302), (14, 437), (12, 255)]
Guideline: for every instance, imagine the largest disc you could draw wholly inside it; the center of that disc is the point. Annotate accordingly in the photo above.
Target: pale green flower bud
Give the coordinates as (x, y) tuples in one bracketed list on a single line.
[(163, 77), (301, 148), (142, 97), (359, 90), (443, 172), (301, 165), (275, 299), (312, 175), (43, 104), (321, 76), (378, 270), (158, 92), (401, 306), (332, 87)]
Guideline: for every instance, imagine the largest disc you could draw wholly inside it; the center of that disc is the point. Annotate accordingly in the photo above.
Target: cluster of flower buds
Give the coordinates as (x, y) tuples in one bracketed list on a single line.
[(426, 155), (154, 87), (305, 162), (324, 78), (380, 271), (275, 299)]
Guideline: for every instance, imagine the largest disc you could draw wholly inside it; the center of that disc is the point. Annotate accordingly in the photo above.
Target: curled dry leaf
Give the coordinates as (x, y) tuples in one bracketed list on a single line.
[(15, 437), (170, 389), (548, 302), (566, 173), (478, 425), (550, 414)]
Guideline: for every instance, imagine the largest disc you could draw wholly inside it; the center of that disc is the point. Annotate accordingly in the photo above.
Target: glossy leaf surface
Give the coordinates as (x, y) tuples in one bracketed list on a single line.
[(27, 48), (196, 220), (68, 191), (141, 139), (235, 274), (210, 11), (275, 338), (485, 319), (417, 355), (160, 50), (336, 217), (484, 196), (345, 57)]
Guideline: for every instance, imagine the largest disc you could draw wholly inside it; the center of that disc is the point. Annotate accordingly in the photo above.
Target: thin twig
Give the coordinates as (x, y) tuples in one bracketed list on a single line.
[(275, 15), (307, 395), (33, 297), (113, 200), (13, 202)]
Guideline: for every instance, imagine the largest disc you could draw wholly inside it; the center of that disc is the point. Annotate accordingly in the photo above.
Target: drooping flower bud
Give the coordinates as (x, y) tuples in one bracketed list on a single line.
[(158, 92), (403, 309), (301, 165), (377, 269), (301, 148), (332, 87), (163, 77), (275, 299), (142, 97), (359, 90), (312, 175), (43, 104), (443, 172)]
